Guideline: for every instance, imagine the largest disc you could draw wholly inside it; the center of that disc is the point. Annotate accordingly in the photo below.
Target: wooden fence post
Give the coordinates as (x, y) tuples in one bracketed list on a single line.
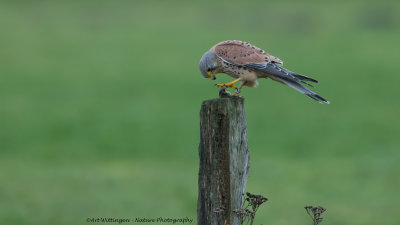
[(224, 161)]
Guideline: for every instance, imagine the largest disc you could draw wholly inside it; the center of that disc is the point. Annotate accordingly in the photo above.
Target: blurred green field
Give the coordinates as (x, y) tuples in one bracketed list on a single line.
[(100, 105)]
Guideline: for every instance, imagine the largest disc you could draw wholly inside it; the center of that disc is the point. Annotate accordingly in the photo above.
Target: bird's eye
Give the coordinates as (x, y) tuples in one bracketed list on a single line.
[(208, 69)]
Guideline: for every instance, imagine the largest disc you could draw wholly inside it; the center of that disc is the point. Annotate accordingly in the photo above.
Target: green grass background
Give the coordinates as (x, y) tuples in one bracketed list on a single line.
[(100, 100)]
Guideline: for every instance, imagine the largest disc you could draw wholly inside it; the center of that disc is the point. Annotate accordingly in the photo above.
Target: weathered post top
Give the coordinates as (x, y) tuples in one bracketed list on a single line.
[(224, 161)]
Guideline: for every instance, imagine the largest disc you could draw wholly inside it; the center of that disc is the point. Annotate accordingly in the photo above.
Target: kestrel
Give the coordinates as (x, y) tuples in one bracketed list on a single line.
[(247, 63)]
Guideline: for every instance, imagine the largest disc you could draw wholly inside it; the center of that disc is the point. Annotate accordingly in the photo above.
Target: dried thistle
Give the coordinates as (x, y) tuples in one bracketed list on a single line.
[(250, 207), (315, 213)]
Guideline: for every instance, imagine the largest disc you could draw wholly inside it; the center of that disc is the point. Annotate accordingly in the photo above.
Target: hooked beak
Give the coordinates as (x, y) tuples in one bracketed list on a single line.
[(211, 76)]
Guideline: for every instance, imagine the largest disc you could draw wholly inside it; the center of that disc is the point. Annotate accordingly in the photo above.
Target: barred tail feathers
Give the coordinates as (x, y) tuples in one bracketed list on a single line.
[(302, 77), (289, 78), (300, 88)]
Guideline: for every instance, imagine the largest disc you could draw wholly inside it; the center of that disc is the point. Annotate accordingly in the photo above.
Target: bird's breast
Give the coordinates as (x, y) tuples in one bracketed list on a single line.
[(233, 70), (238, 71)]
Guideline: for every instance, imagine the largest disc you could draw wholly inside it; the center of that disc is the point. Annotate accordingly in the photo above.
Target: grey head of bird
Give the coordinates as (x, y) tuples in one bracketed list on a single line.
[(208, 64)]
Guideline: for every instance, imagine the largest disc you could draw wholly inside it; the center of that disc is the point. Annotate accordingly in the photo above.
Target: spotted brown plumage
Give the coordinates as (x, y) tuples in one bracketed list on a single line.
[(246, 63), (241, 53)]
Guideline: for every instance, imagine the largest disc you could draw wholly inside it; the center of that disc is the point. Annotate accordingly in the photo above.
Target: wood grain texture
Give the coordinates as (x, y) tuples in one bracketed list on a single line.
[(224, 161)]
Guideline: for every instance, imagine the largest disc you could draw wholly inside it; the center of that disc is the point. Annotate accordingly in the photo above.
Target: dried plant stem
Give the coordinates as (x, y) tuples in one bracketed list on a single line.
[(315, 213)]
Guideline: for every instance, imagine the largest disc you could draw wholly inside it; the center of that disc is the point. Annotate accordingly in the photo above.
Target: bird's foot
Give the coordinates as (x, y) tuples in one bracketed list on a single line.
[(227, 85), (236, 93), (223, 93)]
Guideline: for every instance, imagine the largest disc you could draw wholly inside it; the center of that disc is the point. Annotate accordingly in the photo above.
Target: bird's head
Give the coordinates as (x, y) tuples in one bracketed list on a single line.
[(208, 65)]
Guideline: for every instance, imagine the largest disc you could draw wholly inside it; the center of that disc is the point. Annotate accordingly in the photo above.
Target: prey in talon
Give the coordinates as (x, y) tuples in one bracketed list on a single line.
[(230, 84), (246, 63)]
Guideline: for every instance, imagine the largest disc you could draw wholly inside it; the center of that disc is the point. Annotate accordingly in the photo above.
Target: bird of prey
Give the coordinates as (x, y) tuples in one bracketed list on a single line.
[(246, 63)]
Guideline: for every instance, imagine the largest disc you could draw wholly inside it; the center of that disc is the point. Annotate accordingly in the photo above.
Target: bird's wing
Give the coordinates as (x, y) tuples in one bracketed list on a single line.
[(274, 70), (287, 77), (242, 53)]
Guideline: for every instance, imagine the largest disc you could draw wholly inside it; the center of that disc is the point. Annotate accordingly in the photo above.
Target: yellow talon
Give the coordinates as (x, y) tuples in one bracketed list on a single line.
[(234, 94), (230, 84), (226, 85)]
